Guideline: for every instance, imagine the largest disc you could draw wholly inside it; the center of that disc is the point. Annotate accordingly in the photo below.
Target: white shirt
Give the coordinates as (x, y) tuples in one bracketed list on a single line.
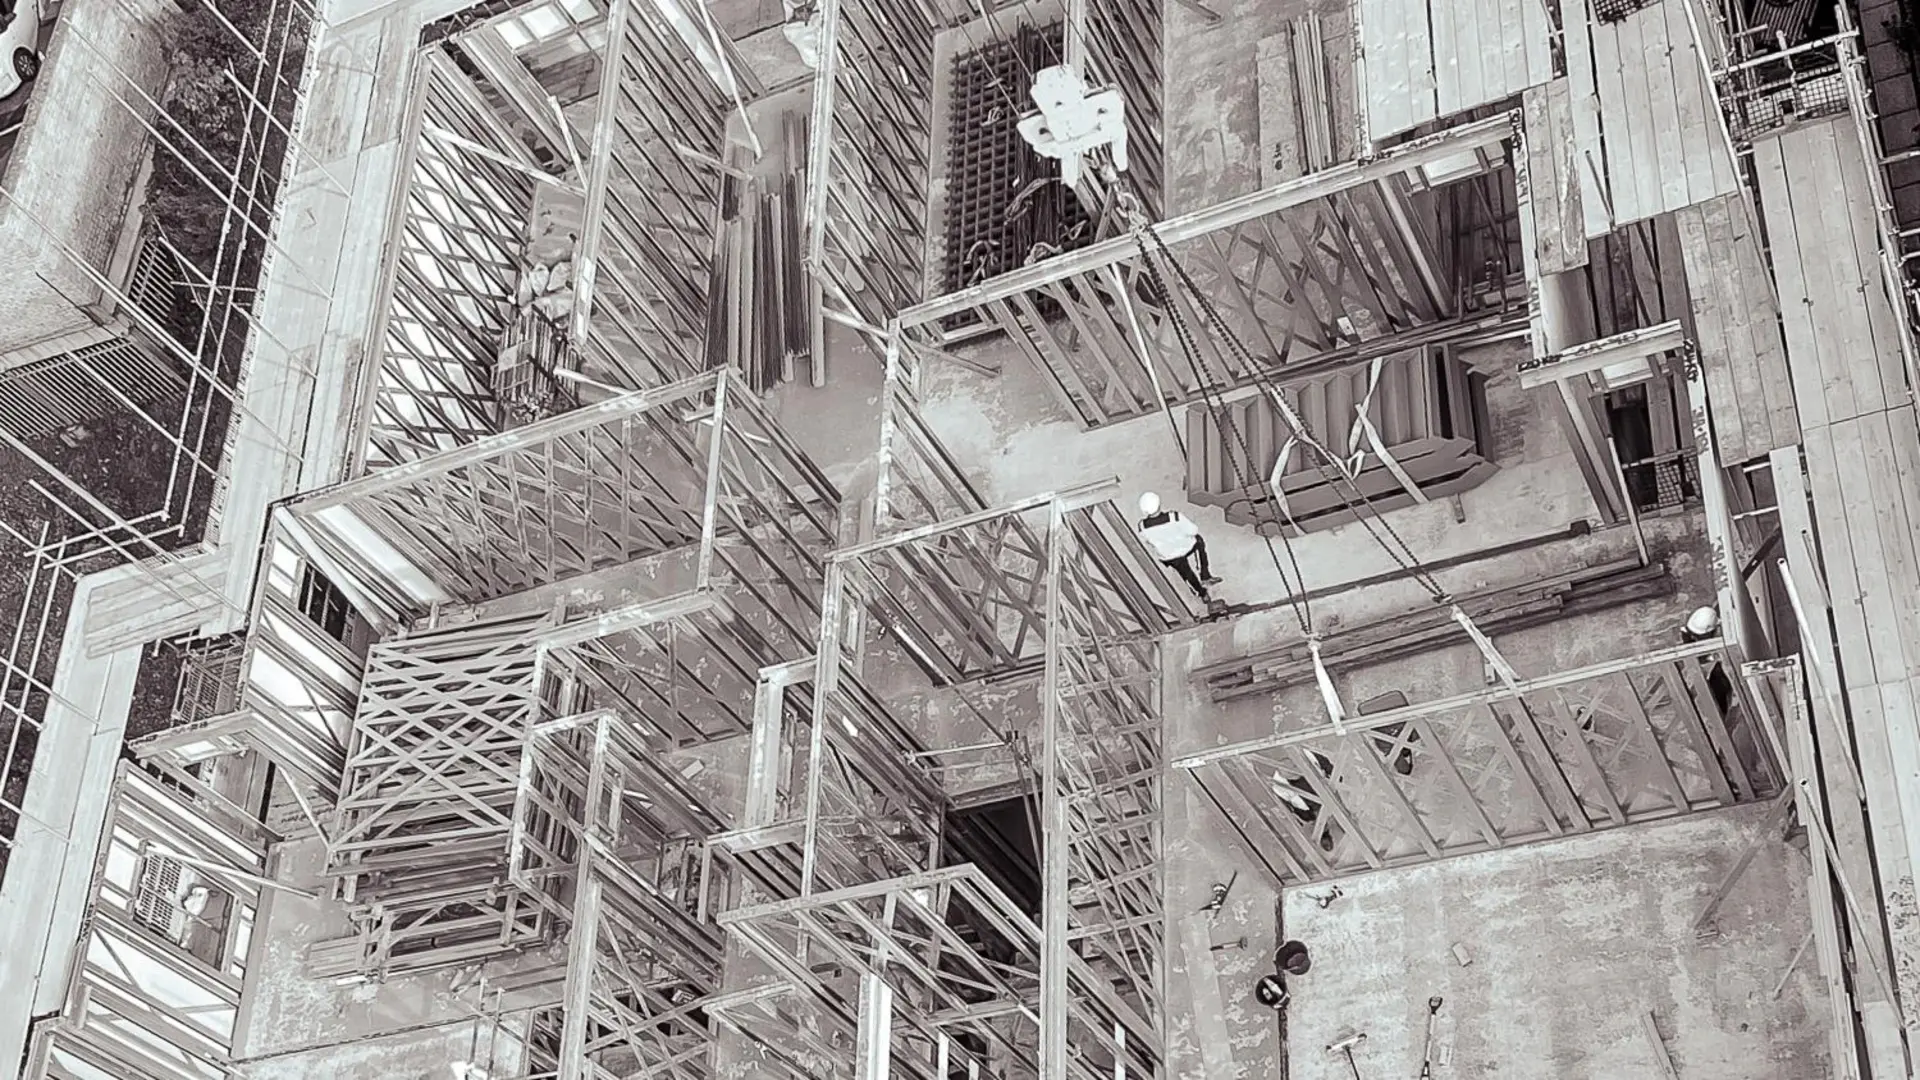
[(1169, 535)]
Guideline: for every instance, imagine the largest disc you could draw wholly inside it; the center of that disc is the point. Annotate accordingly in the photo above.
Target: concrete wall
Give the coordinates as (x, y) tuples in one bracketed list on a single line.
[(75, 165)]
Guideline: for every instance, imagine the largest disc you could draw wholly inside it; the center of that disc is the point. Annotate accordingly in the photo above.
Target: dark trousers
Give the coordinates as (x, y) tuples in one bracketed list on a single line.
[(1192, 567)]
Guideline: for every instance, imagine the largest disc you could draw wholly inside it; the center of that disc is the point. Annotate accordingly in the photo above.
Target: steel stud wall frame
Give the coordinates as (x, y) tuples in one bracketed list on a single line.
[(1632, 740), (1313, 274), (456, 262), (651, 211), (1078, 994), (607, 839), (421, 831), (695, 469)]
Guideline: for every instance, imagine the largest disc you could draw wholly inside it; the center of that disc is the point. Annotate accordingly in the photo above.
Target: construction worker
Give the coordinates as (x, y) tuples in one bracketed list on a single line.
[(1702, 625), (1177, 543)]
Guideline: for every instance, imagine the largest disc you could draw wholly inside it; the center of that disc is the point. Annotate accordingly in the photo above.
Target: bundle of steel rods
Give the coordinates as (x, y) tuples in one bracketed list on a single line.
[(759, 315)]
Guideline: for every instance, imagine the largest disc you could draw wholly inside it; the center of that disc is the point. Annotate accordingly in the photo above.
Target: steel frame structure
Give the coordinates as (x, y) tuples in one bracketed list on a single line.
[(607, 838), (1053, 583), (455, 264), (150, 1000), (1611, 744), (695, 471), (645, 256), (1313, 274), (640, 288), (874, 125)]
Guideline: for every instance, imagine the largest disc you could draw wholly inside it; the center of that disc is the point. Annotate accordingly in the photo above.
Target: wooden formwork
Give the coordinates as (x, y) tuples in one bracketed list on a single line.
[(874, 125), (163, 957), (1360, 260), (1654, 736)]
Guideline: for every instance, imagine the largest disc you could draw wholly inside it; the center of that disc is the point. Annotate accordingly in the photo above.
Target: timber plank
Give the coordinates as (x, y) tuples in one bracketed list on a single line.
[(1757, 310), (1708, 305), (1453, 51), (1589, 153), (1694, 110), (1881, 322), (1813, 170), (1662, 118), (1845, 588), (1616, 125), (1803, 357), (1890, 498)]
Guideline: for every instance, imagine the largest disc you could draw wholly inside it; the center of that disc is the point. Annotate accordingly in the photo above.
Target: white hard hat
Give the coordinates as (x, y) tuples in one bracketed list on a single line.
[(1149, 503), (1703, 622)]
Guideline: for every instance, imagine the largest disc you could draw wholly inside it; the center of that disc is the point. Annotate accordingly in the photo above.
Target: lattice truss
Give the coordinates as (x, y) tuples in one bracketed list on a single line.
[(1581, 750), (608, 839), (937, 972), (874, 128), (1102, 801), (456, 263), (651, 208), (165, 943), (693, 480), (869, 837), (1357, 261), (420, 838)]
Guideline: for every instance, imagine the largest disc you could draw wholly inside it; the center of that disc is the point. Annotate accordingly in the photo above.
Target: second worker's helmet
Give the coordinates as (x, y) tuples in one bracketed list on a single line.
[(1149, 504)]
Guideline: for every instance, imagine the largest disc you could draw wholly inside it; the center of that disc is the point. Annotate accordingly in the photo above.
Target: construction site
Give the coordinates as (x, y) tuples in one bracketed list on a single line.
[(592, 539)]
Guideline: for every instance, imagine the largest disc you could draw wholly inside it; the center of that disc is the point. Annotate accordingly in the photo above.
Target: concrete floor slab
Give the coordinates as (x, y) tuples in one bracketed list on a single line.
[(1571, 943)]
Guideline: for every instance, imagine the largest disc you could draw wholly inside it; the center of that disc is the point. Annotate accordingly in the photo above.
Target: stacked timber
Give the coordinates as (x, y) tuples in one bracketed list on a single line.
[(1411, 633), (759, 316), (1424, 408)]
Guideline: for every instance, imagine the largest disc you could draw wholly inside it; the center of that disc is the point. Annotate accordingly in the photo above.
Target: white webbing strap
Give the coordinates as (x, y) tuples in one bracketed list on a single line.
[(1275, 478), (1327, 692), (1498, 663), (1362, 425)]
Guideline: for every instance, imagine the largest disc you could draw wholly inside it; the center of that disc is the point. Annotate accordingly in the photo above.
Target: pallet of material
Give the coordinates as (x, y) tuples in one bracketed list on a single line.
[(1410, 633), (1425, 405)]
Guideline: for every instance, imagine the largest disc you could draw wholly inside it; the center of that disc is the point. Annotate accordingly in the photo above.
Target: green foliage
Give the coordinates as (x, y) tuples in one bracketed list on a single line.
[(204, 106)]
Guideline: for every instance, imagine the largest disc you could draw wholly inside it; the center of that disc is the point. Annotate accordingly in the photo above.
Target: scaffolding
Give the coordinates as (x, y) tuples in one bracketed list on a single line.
[(156, 991)]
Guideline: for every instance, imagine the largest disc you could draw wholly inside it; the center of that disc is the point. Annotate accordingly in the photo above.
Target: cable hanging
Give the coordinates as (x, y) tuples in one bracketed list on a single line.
[(1333, 470)]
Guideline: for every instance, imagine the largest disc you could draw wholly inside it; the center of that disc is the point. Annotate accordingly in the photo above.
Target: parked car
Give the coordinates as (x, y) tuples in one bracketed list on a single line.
[(19, 44)]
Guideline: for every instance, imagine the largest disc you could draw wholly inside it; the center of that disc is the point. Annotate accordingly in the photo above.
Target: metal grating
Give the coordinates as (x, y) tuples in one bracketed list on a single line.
[(997, 219), (1613, 11), (1665, 482)]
